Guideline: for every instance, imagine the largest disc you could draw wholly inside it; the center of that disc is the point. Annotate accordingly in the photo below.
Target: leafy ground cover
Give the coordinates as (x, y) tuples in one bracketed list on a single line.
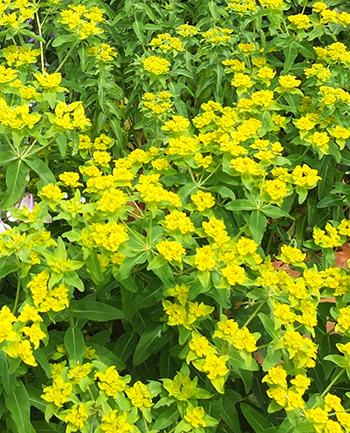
[(174, 216)]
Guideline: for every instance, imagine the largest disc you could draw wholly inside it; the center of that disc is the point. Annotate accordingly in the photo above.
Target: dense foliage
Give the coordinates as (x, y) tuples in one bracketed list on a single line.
[(174, 216)]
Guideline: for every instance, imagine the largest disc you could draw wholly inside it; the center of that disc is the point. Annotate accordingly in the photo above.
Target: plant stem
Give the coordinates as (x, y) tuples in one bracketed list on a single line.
[(67, 57), (255, 313), (333, 382), (41, 44), (17, 295)]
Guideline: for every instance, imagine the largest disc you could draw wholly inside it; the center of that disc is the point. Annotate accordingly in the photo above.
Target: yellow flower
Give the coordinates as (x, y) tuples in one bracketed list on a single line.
[(344, 227), (203, 161), (276, 376), (77, 417), (276, 189), (216, 229), (339, 132), (177, 314), (28, 313), (34, 333), (180, 292), (234, 274), (292, 255), (79, 372), (182, 387), (215, 366), (101, 158), (247, 48), (343, 320), (186, 30), (319, 6), (23, 350), (116, 422), (301, 382), (139, 395), (203, 200), (171, 250), (205, 258), (242, 80), (195, 416), (321, 140), (58, 393), (112, 200), (318, 415), (305, 176), (289, 81), (294, 401), (278, 394), (176, 124), (200, 346), (110, 382), (49, 81), (262, 98), (300, 21), (69, 178), (333, 402), (246, 246), (156, 65)]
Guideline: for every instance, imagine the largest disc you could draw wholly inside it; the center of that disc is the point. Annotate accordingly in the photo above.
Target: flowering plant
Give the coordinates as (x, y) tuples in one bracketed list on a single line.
[(174, 216)]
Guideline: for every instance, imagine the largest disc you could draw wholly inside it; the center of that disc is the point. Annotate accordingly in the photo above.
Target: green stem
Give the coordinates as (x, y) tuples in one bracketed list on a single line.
[(66, 57), (333, 382), (255, 313), (41, 44), (17, 295)]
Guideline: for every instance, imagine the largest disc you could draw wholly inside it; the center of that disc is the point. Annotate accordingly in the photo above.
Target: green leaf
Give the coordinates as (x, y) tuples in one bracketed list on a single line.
[(166, 418), (7, 156), (242, 204), (107, 356), (75, 343), (229, 415), (19, 406), (129, 263), (64, 39), (257, 225), (291, 54), (151, 339), (268, 324), (96, 311), (35, 398), (338, 360), (41, 169), (275, 212), (257, 421), (157, 262), (7, 266), (16, 174), (8, 380)]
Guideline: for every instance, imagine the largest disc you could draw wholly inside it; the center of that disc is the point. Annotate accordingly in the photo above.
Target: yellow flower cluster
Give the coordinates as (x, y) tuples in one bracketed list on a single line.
[(166, 43), (157, 103), (103, 52), (217, 36), (82, 21), (241, 339), (184, 312), (156, 65)]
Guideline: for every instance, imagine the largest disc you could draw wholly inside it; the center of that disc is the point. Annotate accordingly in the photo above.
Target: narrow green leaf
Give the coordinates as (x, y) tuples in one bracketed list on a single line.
[(241, 204), (257, 420), (151, 339), (257, 225), (19, 406), (96, 311), (75, 343), (16, 174), (41, 169)]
